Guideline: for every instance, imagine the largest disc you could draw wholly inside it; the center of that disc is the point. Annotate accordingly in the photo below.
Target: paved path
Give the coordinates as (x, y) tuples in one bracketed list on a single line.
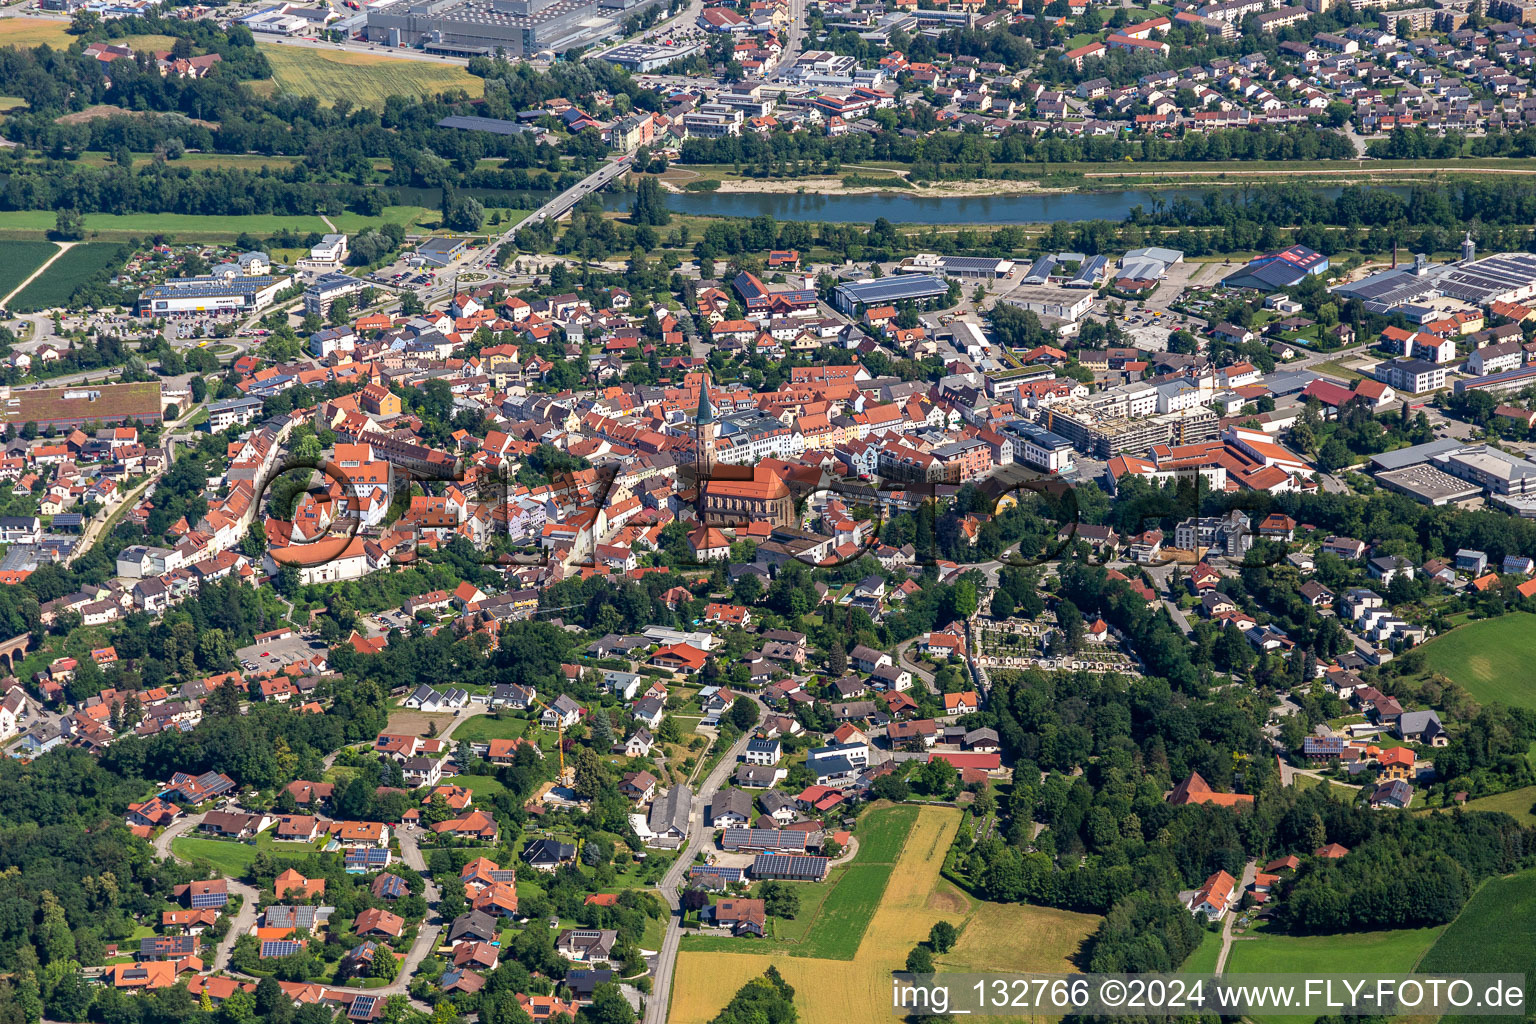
[(1249, 871), (666, 959)]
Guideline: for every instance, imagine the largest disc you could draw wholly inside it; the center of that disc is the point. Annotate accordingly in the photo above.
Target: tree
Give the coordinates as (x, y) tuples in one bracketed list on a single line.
[(743, 714), (919, 961), (602, 731), (937, 777), (68, 226), (1071, 622), (609, 1006), (780, 900), (942, 937), (650, 206), (748, 589), (837, 657)]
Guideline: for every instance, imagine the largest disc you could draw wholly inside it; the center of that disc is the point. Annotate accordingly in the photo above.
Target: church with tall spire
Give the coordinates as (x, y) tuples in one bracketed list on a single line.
[(729, 495), (704, 438)]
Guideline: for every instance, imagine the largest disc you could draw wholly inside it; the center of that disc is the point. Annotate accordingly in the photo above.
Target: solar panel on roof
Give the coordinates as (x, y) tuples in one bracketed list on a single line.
[(209, 899), (493, 125), (362, 1007), (280, 947)]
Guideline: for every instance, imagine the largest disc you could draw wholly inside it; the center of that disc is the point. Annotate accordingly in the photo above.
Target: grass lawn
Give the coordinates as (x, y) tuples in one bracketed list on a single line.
[(180, 225), (406, 216), (28, 32), (1490, 659), (1340, 792), (365, 78), (68, 272), (1336, 368), (148, 43), (483, 786), (655, 932), (1203, 960), (21, 259), (1519, 804), (1388, 952), (234, 859), (483, 728), (1492, 935)]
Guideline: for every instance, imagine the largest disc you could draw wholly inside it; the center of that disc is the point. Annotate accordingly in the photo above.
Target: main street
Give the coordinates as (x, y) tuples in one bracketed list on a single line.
[(671, 882)]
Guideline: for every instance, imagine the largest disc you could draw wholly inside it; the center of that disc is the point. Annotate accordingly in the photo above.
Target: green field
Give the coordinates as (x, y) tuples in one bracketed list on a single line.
[(1492, 935), (406, 216), (483, 728), (1203, 960), (21, 258), (483, 786), (1490, 659), (68, 272), (366, 79), (36, 223), (1388, 952), (230, 858), (832, 927), (1519, 804)]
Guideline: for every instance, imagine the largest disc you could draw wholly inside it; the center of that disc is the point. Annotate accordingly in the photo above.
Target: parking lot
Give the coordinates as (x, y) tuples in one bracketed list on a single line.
[(277, 654)]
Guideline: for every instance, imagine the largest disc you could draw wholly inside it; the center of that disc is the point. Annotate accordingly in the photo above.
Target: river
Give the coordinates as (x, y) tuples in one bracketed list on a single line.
[(915, 208)]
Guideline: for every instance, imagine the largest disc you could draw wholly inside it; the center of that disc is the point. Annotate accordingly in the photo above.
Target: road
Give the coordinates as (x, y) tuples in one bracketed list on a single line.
[(794, 40), (902, 661), (426, 936), (661, 975), (98, 524), (244, 920), (379, 49), (561, 204)]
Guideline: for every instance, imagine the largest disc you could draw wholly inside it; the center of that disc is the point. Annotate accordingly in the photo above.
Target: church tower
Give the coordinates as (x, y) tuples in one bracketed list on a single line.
[(704, 442)]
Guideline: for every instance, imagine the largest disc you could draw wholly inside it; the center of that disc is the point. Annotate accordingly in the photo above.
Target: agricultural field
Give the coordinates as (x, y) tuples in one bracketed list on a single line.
[(1491, 935), (992, 937), (1489, 659), (28, 32), (72, 269), (834, 914), (365, 78), (21, 259)]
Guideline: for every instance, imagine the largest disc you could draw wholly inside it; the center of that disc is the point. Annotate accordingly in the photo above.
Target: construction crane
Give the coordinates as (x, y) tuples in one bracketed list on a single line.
[(559, 739)]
